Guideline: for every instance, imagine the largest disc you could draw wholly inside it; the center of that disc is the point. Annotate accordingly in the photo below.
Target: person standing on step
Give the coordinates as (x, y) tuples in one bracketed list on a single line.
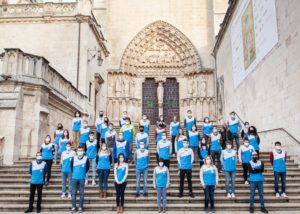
[(224, 135), (91, 153), (203, 151), (37, 170), (234, 127), (47, 149), (158, 132), (120, 175), (215, 147), (256, 178), (103, 161), (189, 121), (65, 160), (122, 120), (79, 168), (146, 123), (164, 149), (84, 135), (128, 131), (63, 141), (142, 136), (244, 133), (194, 139), (245, 155), (161, 121), (209, 178), (57, 135), (161, 182), (77, 123), (185, 158), (228, 160), (278, 161), (179, 140), (174, 127), (142, 157), (104, 129), (98, 124), (254, 139), (207, 128), (121, 147), (111, 137)]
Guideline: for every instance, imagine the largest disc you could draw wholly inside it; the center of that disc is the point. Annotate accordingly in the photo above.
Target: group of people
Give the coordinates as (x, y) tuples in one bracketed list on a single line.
[(217, 151)]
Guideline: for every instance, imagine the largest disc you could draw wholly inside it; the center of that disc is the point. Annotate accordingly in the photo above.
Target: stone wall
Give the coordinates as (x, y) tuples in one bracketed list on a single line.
[(269, 97)]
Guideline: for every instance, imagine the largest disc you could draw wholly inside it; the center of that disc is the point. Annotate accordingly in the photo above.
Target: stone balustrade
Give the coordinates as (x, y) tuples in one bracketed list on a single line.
[(19, 66), (1, 149)]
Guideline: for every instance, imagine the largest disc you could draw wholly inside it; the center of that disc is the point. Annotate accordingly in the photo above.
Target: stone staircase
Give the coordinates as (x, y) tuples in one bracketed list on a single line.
[(14, 190)]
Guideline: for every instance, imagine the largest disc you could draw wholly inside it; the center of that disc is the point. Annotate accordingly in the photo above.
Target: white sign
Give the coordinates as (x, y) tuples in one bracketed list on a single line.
[(253, 35)]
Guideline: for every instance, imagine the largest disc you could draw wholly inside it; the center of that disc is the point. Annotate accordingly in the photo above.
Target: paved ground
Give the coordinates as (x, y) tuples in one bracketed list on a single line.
[(170, 212)]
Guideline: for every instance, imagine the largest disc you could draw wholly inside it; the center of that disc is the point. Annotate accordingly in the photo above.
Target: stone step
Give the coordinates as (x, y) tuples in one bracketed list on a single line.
[(171, 207)]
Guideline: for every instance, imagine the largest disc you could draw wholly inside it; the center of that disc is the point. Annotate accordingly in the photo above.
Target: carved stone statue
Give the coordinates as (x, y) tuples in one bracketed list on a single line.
[(190, 87), (118, 85), (160, 93), (194, 85), (203, 88), (127, 86), (132, 88)]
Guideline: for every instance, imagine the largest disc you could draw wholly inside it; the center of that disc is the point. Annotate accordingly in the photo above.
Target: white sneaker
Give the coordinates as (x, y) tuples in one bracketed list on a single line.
[(228, 195), (63, 195), (232, 195), (73, 210), (86, 182), (69, 195), (94, 183), (277, 195), (284, 195), (80, 210), (246, 182)]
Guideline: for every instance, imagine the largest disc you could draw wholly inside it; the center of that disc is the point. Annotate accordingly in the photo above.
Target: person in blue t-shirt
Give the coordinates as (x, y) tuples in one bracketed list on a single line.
[(65, 160), (84, 134), (207, 128), (57, 135), (161, 182), (215, 147), (209, 178), (256, 178), (98, 124), (188, 122), (47, 149), (91, 153), (245, 155), (203, 150), (37, 170), (185, 158), (77, 123), (79, 168), (229, 160), (234, 126), (174, 128), (253, 138), (278, 161), (120, 180), (103, 161)]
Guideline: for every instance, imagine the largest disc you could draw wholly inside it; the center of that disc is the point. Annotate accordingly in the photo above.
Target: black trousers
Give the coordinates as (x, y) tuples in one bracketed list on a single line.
[(39, 188), (49, 165), (188, 173), (120, 190), (98, 137), (173, 144), (245, 171), (215, 155)]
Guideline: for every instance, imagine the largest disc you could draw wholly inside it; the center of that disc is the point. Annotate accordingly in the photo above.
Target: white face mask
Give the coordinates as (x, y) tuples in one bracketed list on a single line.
[(47, 140), (228, 146), (80, 153), (127, 122), (77, 115), (85, 125), (232, 117), (121, 160), (144, 118), (124, 115), (215, 131), (185, 145), (110, 128), (121, 137), (278, 147), (164, 137), (142, 146), (206, 121), (66, 133), (104, 148), (161, 164), (68, 148), (208, 161), (194, 128), (203, 147), (91, 137), (246, 144), (39, 158)]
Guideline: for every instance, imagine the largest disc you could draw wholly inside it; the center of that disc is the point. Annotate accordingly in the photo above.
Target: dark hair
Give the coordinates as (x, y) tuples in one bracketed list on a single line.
[(76, 113), (92, 132), (233, 112), (185, 140), (48, 136), (59, 124), (121, 154), (38, 153), (69, 143), (79, 147), (277, 143), (141, 126), (160, 160), (194, 125), (229, 142), (206, 118), (246, 123), (254, 130), (68, 135), (111, 124)]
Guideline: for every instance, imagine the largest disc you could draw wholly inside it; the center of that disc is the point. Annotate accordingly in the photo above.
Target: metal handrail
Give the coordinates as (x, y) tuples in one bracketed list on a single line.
[(281, 129)]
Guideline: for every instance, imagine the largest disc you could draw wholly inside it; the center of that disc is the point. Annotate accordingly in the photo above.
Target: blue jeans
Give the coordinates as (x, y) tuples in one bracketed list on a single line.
[(77, 185), (235, 136), (64, 176), (161, 197), (55, 152), (209, 196), (138, 179), (196, 156), (282, 176), (259, 185), (94, 168), (103, 177), (230, 182)]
